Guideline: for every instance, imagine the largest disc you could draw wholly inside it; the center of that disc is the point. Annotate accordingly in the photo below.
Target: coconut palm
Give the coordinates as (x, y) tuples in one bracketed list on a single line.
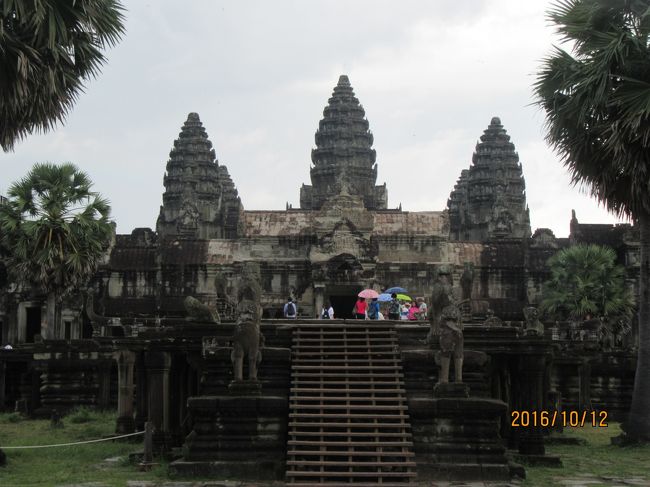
[(585, 280), (48, 49), (57, 230), (596, 99)]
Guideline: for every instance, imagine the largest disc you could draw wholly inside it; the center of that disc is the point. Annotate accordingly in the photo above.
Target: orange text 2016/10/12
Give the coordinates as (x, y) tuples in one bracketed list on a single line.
[(566, 419)]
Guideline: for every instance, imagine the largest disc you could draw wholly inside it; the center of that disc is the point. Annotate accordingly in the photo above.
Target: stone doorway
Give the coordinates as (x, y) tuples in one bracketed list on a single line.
[(342, 299), (33, 323)]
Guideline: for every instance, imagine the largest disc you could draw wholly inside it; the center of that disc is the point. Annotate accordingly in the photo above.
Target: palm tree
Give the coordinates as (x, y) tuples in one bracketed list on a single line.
[(57, 230), (585, 280), (596, 99), (48, 49)]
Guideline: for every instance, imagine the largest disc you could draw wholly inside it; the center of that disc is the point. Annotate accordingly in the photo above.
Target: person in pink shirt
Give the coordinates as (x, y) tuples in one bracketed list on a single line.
[(360, 308), (413, 311)]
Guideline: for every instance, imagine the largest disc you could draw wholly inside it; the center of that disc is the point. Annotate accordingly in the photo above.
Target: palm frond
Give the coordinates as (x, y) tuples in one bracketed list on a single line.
[(49, 49), (56, 227), (597, 99), (586, 281)]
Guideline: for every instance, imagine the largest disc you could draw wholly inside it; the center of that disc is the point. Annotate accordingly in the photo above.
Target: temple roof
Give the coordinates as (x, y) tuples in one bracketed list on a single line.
[(200, 199), (343, 153), (489, 199), (192, 165)]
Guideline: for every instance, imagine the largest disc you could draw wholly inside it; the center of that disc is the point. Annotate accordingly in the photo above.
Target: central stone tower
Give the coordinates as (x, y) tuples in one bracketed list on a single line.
[(344, 159), (489, 199), (200, 200)]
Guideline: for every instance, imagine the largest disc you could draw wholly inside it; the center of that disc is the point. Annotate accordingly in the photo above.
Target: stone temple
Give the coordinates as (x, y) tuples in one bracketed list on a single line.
[(341, 240), (127, 341)]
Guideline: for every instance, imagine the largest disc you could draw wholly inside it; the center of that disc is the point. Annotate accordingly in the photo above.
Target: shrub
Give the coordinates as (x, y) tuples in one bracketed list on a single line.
[(81, 415), (11, 418)]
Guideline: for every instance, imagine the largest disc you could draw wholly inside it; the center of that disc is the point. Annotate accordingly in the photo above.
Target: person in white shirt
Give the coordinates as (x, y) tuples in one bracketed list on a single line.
[(404, 311), (327, 313), (422, 312)]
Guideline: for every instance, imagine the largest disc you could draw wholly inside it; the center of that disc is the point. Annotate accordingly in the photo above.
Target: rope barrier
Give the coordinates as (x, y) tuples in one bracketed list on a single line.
[(70, 444)]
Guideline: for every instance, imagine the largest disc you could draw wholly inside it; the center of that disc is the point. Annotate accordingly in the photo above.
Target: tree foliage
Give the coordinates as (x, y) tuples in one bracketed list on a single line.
[(48, 50), (596, 99), (56, 229), (585, 280)]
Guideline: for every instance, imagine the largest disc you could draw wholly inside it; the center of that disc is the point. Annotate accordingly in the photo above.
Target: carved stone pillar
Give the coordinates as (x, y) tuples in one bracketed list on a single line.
[(458, 436), (141, 398), (65, 383), (584, 371), (236, 436), (531, 441), (104, 381), (3, 369), (125, 362), (319, 297), (158, 365)]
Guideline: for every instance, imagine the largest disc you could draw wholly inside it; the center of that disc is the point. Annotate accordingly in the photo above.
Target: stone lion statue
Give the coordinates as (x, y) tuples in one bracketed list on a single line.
[(196, 310), (441, 297), (247, 338), (532, 326), (445, 321), (451, 343)]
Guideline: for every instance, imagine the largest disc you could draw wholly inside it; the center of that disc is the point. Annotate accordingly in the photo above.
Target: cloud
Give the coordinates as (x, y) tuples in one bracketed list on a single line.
[(429, 74)]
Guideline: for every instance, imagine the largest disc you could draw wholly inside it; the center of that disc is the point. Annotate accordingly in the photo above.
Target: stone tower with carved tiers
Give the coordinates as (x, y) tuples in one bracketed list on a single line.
[(343, 155), (489, 199), (200, 200)]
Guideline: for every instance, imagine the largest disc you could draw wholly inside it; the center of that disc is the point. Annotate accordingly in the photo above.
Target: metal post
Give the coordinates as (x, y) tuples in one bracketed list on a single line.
[(148, 443), (147, 457)]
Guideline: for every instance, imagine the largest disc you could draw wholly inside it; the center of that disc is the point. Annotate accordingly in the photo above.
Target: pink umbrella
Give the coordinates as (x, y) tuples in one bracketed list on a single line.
[(368, 294)]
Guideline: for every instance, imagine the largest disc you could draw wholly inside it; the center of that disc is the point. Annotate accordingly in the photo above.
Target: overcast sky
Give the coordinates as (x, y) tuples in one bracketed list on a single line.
[(430, 76)]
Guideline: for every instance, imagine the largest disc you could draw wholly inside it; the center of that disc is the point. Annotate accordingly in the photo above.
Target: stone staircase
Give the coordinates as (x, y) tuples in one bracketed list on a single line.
[(348, 416)]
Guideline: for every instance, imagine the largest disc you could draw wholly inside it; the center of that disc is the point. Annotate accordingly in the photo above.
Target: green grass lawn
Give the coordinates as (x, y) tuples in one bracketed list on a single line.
[(70, 464), (85, 463), (599, 458)]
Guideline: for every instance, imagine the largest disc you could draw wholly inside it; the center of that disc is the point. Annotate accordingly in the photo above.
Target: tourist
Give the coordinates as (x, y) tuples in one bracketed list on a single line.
[(404, 311), (290, 311), (422, 311), (413, 311), (394, 308), (360, 308), (327, 313), (373, 309)]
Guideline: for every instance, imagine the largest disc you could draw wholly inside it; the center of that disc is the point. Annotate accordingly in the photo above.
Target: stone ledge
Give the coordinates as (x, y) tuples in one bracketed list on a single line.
[(538, 460), (459, 471), (245, 470)]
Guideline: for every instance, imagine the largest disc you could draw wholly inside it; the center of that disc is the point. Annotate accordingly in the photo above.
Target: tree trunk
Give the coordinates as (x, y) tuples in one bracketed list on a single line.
[(638, 424)]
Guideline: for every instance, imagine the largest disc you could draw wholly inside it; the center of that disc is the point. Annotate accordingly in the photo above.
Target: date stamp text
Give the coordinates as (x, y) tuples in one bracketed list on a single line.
[(565, 419)]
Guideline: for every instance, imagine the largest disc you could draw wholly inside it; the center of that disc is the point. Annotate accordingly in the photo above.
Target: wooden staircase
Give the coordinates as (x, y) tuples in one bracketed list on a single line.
[(348, 417)]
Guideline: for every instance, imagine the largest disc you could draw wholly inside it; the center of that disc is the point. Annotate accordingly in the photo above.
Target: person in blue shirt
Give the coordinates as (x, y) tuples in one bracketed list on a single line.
[(394, 308), (373, 309), (290, 310)]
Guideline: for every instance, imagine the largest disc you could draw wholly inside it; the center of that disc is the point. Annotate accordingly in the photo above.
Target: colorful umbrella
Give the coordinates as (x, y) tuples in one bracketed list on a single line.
[(404, 297), (384, 298), (395, 290), (368, 294)]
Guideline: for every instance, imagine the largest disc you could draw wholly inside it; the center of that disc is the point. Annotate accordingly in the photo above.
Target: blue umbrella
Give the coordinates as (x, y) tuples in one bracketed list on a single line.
[(396, 290), (384, 298)]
